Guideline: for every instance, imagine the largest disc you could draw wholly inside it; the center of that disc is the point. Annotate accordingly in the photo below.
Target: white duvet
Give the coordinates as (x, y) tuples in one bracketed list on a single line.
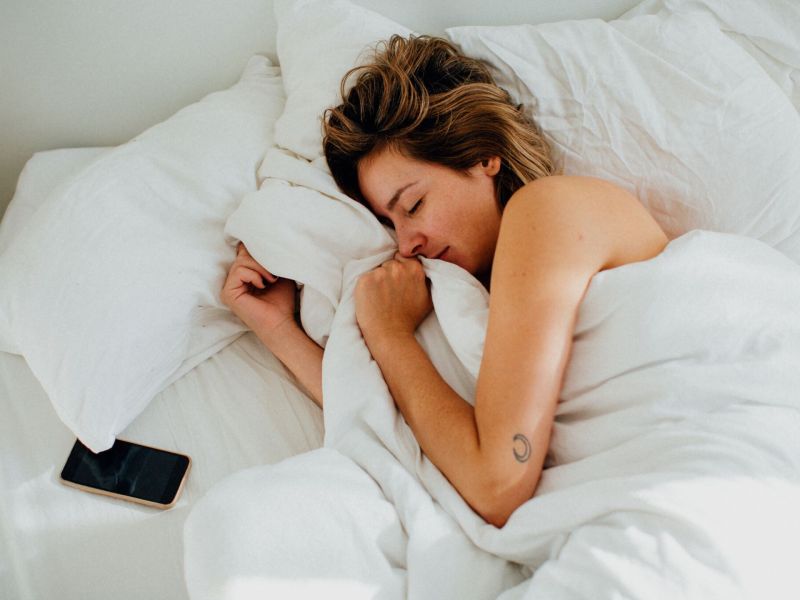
[(674, 467)]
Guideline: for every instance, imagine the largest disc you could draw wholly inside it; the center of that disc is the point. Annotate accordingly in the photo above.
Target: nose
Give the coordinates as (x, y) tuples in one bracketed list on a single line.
[(410, 243)]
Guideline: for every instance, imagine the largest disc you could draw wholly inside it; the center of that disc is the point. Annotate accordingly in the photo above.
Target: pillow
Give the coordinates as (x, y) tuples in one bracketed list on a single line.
[(43, 172), (668, 106), (318, 41), (112, 290), (665, 105), (766, 30)]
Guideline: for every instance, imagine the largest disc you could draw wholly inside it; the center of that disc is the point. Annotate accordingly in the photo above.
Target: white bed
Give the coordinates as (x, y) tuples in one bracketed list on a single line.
[(226, 401), (237, 409)]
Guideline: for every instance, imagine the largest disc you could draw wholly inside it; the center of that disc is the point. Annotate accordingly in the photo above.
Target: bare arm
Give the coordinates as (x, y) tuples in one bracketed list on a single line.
[(442, 421), (556, 234), (265, 303), (298, 352)]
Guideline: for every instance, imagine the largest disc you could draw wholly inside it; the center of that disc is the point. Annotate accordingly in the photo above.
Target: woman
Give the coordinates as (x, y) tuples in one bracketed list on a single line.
[(428, 142)]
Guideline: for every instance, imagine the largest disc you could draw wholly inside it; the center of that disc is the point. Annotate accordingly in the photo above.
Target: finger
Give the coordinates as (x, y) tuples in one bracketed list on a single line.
[(244, 257), (263, 272), (245, 275), (252, 263), (412, 261)]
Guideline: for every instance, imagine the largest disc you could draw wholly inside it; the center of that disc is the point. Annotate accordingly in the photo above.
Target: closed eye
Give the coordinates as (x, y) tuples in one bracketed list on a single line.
[(387, 222), (415, 208)]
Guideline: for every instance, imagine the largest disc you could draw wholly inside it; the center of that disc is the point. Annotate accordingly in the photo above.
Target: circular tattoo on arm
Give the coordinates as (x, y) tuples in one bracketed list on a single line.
[(522, 448)]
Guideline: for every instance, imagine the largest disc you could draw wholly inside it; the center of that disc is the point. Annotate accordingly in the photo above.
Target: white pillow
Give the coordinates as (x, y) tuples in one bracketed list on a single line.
[(43, 172), (768, 31), (666, 106), (112, 290), (318, 41)]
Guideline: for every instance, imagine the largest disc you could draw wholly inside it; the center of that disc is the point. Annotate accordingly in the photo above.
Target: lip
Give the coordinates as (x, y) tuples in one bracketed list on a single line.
[(441, 254)]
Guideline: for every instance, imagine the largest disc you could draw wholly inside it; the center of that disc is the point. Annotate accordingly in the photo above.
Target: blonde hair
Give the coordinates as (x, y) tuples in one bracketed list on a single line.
[(420, 96)]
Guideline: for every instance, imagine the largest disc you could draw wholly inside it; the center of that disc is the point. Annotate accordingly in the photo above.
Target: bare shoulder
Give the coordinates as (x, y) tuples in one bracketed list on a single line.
[(586, 213)]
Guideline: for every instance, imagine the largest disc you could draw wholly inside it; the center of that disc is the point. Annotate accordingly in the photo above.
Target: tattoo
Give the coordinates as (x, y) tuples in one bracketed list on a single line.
[(522, 451)]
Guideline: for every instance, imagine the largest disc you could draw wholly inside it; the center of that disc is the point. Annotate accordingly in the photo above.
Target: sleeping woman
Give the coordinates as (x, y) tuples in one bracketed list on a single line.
[(439, 153)]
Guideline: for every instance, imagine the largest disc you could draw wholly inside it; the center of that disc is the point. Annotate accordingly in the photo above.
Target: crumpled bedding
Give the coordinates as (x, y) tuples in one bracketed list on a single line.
[(673, 469), (674, 466)]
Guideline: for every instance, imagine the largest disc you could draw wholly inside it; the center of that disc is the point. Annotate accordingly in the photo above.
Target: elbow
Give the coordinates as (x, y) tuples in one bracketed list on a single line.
[(496, 517), (500, 501), (497, 513), (504, 487)]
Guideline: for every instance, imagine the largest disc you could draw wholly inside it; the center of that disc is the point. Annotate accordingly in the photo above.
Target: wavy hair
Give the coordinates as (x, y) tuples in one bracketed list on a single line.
[(422, 97)]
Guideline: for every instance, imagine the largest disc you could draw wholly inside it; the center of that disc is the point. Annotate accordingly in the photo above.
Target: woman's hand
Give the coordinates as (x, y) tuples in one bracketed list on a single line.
[(260, 299), (392, 299)]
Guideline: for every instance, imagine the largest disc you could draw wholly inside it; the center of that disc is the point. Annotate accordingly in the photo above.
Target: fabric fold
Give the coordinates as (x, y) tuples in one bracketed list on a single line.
[(681, 383)]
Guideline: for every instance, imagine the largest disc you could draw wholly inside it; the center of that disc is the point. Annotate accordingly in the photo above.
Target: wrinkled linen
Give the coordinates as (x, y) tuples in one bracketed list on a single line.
[(766, 30), (674, 464)]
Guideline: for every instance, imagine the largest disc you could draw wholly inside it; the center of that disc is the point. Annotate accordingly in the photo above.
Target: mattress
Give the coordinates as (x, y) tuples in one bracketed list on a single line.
[(237, 409)]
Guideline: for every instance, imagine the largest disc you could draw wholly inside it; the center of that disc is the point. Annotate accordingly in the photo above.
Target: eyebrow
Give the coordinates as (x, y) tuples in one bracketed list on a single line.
[(396, 196)]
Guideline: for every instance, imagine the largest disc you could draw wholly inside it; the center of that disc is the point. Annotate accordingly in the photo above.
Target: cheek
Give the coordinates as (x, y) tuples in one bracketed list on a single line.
[(450, 228)]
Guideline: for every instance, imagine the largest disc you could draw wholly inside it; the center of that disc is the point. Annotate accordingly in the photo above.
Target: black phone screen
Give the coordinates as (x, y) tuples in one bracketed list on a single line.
[(128, 469)]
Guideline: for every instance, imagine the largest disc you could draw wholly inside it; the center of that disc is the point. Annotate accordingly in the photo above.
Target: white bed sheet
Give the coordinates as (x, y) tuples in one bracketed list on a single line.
[(238, 409)]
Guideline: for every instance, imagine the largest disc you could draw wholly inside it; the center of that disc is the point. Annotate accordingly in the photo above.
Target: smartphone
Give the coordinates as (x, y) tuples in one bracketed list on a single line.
[(128, 471)]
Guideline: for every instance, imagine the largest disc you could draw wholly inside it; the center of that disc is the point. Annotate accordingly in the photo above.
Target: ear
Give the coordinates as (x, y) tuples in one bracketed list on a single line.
[(490, 166)]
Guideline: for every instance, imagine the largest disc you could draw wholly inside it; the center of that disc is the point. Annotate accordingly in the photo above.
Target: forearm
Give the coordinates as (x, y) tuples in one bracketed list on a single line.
[(442, 421), (298, 352)]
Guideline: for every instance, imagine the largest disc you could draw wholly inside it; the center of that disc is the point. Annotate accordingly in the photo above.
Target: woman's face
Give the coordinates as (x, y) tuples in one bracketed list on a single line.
[(437, 212)]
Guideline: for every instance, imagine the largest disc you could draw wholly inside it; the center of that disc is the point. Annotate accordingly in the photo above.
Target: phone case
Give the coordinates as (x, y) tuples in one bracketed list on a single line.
[(92, 490)]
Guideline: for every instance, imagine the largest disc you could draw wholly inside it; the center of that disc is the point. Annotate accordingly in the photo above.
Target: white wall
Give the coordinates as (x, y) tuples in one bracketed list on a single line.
[(97, 72)]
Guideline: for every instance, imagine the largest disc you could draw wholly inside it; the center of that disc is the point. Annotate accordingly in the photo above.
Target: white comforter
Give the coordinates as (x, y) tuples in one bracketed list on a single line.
[(674, 465), (674, 469)]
